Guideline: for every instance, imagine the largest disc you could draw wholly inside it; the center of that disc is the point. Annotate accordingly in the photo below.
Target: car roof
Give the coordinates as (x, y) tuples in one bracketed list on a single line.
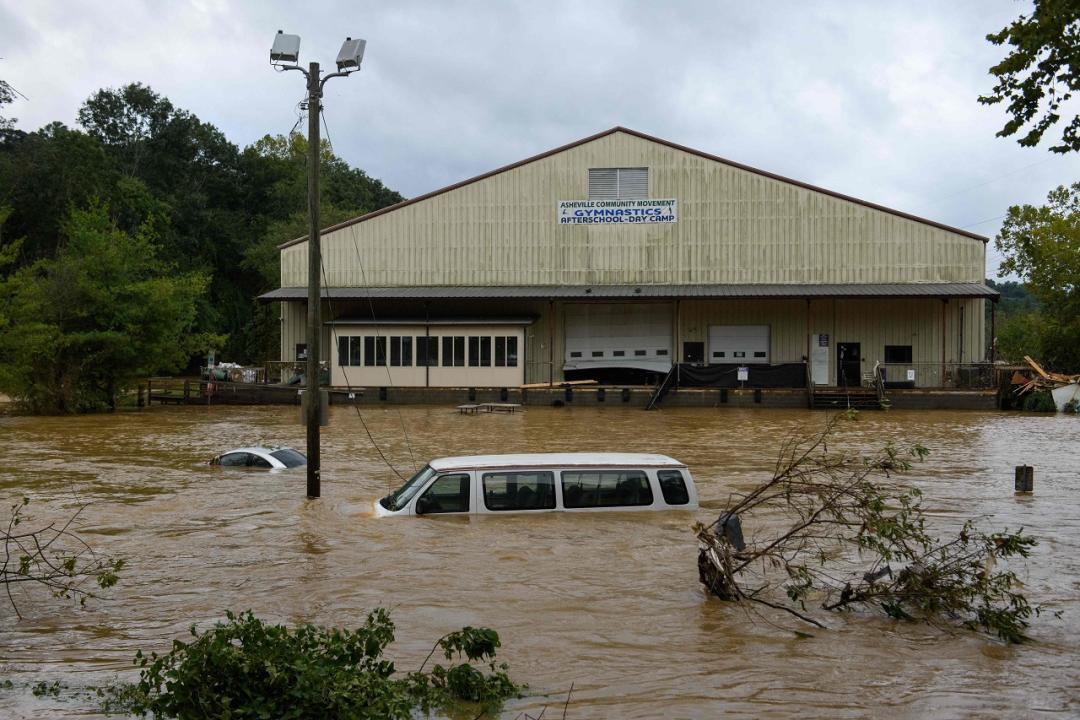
[(258, 449), (578, 459)]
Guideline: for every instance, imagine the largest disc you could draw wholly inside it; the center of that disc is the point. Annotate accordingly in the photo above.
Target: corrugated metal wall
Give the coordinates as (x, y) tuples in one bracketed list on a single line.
[(734, 226)]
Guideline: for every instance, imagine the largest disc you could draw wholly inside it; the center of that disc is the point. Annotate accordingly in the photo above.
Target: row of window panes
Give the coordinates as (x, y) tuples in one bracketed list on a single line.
[(535, 490), (619, 353), (371, 351), (739, 353)]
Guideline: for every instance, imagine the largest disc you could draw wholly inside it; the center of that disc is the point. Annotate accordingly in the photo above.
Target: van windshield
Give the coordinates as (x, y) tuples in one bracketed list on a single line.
[(400, 497)]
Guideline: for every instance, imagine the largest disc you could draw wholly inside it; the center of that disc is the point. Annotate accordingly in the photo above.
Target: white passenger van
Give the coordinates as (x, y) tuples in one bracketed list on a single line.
[(544, 482)]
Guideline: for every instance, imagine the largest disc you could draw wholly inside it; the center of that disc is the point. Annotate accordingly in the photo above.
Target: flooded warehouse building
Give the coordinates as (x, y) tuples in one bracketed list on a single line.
[(622, 256)]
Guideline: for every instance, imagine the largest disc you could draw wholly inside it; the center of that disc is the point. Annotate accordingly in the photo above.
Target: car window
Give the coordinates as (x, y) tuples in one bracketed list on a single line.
[(234, 459), (605, 488), (289, 457), (673, 486), (530, 490), (259, 462), (449, 493)]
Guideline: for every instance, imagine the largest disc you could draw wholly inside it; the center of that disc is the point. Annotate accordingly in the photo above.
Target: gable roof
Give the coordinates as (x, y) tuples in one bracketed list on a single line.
[(659, 141)]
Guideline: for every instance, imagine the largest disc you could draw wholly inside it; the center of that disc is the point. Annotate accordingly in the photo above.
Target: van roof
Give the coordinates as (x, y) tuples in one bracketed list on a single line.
[(578, 459)]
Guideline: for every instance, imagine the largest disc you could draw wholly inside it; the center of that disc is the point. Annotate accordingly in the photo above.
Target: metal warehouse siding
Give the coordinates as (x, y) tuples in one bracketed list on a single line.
[(734, 226)]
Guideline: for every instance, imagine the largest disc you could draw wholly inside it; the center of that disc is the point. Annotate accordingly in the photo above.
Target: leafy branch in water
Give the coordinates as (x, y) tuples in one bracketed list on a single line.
[(247, 668), (851, 538), (52, 556)]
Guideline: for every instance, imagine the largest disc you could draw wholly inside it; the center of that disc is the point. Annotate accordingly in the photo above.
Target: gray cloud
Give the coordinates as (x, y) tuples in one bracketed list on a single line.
[(877, 100)]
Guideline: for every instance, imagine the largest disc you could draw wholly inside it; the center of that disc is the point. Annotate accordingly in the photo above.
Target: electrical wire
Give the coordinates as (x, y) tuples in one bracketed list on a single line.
[(941, 198), (371, 305), (348, 385), (983, 222), (326, 130)]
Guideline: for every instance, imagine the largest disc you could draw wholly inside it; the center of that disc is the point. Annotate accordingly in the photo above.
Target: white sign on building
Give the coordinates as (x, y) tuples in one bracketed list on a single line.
[(617, 212)]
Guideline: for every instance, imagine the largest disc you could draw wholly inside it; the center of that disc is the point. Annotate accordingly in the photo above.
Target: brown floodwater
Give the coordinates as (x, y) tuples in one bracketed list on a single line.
[(608, 603)]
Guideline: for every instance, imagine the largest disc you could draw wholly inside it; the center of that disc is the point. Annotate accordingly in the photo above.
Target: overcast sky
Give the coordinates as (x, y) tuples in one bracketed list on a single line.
[(876, 100)]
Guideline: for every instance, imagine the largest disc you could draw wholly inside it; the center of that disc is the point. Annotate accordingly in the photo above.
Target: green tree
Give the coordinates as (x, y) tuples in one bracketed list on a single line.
[(44, 174), (276, 166), (1042, 246), (219, 212), (7, 96), (1016, 322), (103, 313), (1040, 73)]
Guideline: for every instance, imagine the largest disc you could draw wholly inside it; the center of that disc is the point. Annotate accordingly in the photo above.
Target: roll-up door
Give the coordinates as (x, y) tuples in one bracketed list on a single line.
[(632, 335), (742, 344)]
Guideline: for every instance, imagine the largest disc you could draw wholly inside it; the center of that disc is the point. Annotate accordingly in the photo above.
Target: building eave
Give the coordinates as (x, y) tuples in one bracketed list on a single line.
[(806, 291)]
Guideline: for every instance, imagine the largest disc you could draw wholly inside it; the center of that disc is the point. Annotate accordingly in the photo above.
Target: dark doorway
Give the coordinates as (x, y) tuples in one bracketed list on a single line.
[(693, 352), (848, 364)]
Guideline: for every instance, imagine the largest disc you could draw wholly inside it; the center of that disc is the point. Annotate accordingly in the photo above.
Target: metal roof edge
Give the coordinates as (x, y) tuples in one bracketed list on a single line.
[(630, 292)]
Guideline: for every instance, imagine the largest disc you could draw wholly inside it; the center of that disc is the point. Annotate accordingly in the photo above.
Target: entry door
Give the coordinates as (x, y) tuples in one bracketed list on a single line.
[(848, 364)]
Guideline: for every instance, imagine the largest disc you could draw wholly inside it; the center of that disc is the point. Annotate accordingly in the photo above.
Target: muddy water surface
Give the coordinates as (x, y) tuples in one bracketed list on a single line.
[(609, 603)]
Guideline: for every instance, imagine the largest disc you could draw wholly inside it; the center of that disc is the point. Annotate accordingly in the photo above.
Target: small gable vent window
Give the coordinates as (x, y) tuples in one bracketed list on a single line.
[(618, 183)]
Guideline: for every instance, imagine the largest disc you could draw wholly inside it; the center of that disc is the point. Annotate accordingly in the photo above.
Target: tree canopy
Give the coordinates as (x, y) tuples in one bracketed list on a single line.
[(105, 311), (1040, 74), (148, 169), (1042, 246)]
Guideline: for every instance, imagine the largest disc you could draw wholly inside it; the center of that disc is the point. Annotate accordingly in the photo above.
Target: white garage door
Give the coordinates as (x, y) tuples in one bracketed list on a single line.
[(742, 344), (633, 335)]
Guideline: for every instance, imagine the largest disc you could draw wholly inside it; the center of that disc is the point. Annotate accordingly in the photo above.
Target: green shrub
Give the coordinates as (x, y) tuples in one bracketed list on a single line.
[(245, 668), (1040, 401)]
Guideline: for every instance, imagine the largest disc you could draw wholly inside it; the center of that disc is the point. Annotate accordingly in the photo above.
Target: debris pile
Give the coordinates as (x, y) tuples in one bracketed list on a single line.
[(1065, 389)]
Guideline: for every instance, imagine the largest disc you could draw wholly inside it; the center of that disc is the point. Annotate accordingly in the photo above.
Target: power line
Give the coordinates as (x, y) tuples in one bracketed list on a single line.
[(349, 386), (941, 198), (983, 222)]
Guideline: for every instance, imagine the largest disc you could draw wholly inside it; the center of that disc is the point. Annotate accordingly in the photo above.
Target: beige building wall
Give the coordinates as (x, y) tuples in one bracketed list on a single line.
[(734, 226), (423, 376), (931, 326)]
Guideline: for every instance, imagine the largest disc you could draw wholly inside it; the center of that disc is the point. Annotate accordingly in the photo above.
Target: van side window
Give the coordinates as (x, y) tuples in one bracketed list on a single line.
[(449, 493), (605, 488), (530, 490), (673, 486)]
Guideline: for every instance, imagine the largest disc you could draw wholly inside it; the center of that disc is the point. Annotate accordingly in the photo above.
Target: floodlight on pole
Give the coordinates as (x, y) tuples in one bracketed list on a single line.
[(351, 54), (286, 50)]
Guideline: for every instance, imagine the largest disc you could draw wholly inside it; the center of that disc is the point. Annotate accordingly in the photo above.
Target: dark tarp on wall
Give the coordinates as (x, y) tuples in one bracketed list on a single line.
[(786, 375)]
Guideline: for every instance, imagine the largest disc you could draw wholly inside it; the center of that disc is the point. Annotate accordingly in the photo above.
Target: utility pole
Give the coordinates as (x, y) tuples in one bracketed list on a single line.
[(313, 407), (284, 55)]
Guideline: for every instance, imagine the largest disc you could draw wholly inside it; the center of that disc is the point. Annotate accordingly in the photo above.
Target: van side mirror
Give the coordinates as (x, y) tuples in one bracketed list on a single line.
[(424, 505)]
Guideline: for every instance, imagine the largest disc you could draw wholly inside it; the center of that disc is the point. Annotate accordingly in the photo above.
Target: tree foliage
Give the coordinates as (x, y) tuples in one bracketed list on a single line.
[(51, 556), (1042, 246), (833, 529), (7, 96), (218, 212), (105, 312), (1016, 321), (1040, 74), (246, 668)]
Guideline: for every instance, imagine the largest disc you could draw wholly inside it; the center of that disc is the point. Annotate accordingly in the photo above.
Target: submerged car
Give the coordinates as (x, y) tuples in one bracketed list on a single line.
[(274, 458), (544, 482)]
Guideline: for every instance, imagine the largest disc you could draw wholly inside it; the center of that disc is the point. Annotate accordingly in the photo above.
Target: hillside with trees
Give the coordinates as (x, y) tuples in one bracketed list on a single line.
[(140, 196)]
